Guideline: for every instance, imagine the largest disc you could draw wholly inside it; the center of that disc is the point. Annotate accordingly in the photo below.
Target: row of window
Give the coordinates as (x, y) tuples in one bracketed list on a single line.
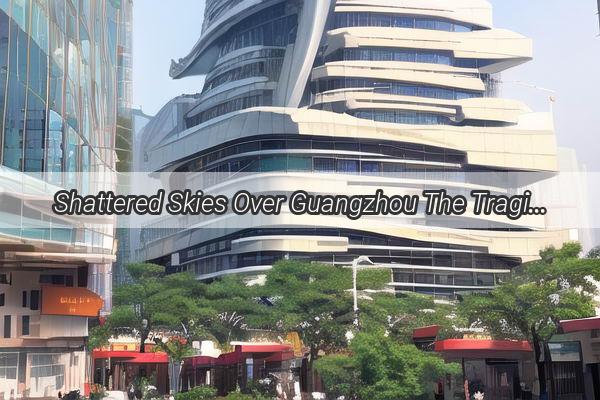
[(448, 278), (421, 118), (384, 256), (237, 104), (396, 88), (220, 263), (270, 69), (401, 251), (403, 117), (279, 32), (350, 19), (421, 249), (405, 55), (216, 8), (8, 326), (31, 300), (354, 238), (312, 164), (256, 54), (403, 151), (446, 294)]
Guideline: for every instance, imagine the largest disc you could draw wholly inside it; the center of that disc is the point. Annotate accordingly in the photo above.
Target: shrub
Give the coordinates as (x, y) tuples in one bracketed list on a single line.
[(242, 396), (198, 393), (97, 392), (262, 387)]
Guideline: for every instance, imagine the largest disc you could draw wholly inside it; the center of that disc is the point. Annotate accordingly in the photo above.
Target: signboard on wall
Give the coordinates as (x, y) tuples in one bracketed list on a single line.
[(61, 300)]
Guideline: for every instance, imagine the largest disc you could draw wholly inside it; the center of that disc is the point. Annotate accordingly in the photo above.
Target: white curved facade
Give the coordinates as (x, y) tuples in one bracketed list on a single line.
[(347, 96)]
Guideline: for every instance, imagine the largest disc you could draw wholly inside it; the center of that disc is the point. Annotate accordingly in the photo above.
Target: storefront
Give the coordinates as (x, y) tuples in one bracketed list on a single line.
[(43, 327), (117, 370), (575, 357), (500, 369), (40, 371), (246, 363)]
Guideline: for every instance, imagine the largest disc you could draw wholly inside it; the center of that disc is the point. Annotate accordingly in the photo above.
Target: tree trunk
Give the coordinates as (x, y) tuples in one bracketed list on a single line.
[(310, 381), (539, 349), (175, 376)]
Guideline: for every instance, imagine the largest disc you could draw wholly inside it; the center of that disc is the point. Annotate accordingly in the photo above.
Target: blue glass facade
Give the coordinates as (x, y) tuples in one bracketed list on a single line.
[(59, 86), (351, 19), (441, 57), (397, 88)]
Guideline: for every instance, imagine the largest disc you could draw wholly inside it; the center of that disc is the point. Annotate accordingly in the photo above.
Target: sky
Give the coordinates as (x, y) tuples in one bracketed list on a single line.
[(566, 61)]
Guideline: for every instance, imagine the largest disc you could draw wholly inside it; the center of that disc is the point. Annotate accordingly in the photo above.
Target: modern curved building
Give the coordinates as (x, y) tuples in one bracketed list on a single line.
[(345, 97)]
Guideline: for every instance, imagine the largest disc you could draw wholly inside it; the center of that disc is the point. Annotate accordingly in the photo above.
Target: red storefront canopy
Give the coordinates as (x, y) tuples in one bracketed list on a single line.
[(268, 352), (481, 344), (578, 325), (133, 357), (259, 348), (426, 332)]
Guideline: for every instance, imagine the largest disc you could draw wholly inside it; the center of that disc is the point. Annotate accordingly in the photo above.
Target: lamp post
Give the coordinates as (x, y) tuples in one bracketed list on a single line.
[(355, 262), (551, 97)]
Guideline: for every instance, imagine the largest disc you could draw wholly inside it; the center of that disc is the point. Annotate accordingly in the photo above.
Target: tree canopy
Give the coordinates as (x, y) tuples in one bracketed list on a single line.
[(380, 368), (540, 294), (178, 304), (315, 300)]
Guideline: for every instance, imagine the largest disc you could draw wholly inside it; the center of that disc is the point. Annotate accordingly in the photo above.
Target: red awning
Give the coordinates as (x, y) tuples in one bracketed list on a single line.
[(426, 332), (133, 357), (205, 361), (268, 352), (578, 325), (264, 348), (481, 344)]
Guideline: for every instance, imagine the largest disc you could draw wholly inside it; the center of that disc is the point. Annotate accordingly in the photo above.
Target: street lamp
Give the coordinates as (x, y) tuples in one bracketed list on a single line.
[(551, 97), (355, 262)]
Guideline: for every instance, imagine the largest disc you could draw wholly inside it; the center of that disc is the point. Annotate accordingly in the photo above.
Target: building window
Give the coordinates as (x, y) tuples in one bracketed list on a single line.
[(25, 325), (2, 299), (60, 280), (324, 164), (271, 27), (8, 365), (351, 19), (347, 166), (403, 117), (237, 104), (397, 88), (7, 327), (46, 368), (34, 301), (24, 303)]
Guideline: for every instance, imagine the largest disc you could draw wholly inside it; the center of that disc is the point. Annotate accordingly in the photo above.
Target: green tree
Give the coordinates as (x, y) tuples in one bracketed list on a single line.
[(315, 300), (153, 301), (400, 315), (231, 308), (177, 348), (540, 294), (380, 368)]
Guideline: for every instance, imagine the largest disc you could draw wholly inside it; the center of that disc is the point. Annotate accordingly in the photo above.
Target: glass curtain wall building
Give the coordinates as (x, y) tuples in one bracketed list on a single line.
[(344, 97), (64, 96)]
